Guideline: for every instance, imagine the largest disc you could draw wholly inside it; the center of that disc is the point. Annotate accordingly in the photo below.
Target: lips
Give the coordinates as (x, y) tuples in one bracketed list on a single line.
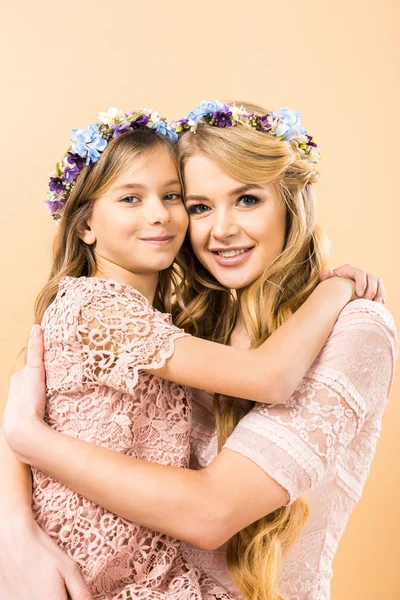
[(229, 257), (161, 240)]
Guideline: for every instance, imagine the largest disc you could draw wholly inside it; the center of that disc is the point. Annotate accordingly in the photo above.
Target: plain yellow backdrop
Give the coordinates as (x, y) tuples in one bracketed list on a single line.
[(335, 62)]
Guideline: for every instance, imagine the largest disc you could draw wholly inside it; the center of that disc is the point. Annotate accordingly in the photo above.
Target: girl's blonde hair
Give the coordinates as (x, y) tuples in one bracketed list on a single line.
[(71, 256), (209, 310)]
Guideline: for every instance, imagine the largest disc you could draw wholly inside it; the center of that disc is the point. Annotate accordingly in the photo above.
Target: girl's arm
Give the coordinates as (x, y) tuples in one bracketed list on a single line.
[(270, 373)]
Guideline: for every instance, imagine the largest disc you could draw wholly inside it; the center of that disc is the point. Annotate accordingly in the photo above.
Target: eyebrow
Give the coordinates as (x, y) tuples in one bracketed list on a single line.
[(236, 192), (139, 186)]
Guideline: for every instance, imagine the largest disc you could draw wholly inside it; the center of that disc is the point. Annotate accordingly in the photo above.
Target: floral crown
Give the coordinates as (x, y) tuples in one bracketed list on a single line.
[(88, 144), (284, 126)]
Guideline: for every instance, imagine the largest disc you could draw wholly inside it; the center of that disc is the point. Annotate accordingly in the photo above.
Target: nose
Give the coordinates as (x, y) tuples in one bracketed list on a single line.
[(156, 212), (224, 224)]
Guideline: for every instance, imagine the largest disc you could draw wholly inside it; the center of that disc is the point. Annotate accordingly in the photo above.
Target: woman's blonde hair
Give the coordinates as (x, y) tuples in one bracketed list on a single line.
[(73, 257), (209, 310)]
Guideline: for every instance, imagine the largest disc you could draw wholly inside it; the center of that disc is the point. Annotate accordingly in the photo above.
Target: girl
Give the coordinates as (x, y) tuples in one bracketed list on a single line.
[(211, 508)]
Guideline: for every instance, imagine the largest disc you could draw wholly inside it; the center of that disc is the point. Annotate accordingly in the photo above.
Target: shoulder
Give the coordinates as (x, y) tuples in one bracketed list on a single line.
[(86, 290), (367, 317)]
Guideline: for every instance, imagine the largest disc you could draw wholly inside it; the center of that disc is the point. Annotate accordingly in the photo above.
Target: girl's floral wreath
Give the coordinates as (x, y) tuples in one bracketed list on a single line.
[(88, 144), (285, 126)]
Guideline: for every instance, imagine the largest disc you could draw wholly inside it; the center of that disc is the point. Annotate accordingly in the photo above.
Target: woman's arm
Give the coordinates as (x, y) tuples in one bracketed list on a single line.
[(254, 474), (31, 563)]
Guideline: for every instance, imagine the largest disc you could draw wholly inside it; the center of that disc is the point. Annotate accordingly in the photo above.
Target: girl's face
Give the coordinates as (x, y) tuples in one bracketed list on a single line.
[(139, 224), (236, 230)]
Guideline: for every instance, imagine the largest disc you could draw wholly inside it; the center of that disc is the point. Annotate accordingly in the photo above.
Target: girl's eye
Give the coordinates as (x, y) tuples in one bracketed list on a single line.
[(173, 196), (130, 199), (197, 209), (248, 201)]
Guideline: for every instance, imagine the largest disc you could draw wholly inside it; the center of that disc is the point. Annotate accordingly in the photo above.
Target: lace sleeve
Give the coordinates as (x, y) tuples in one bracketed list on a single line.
[(121, 334), (349, 382)]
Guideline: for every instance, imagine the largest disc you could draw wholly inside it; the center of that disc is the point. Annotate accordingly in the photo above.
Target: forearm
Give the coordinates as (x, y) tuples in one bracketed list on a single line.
[(296, 344), (16, 483), (175, 501)]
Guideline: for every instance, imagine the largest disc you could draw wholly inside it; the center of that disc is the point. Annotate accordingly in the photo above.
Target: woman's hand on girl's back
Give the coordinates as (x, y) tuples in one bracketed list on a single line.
[(33, 566), (368, 286)]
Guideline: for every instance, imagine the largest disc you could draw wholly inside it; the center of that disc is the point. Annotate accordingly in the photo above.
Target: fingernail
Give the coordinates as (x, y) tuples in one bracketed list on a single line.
[(36, 331)]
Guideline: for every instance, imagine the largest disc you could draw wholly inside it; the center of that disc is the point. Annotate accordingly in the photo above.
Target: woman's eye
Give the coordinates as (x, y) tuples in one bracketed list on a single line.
[(173, 196), (248, 201), (130, 199), (197, 209)]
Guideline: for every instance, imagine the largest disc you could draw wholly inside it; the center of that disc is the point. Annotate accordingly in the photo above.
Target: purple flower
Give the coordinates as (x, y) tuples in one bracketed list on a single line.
[(223, 119), (311, 141), (120, 128), (56, 185), (76, 160), (263, 123), (53, 205), (71, 173), (140, 122)]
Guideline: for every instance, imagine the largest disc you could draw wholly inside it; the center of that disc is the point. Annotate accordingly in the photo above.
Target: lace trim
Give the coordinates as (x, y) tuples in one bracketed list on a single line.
[(289, 442), (349, 484), (342, 385)]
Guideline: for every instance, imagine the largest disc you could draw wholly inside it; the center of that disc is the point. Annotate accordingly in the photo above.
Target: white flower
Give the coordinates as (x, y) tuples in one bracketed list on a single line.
[(113, 115), (154, 117), (145, 111), (237, 112), (314, 154)]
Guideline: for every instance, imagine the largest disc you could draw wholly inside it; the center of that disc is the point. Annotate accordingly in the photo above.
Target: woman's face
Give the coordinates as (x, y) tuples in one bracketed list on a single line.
[(236, 230), (140, 222)]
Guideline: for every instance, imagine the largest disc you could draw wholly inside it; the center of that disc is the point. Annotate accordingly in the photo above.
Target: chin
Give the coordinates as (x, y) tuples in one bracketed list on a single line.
[(234, 283)]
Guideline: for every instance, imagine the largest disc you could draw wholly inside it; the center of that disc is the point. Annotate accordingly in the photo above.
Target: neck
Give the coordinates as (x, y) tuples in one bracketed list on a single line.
[(145, 283)]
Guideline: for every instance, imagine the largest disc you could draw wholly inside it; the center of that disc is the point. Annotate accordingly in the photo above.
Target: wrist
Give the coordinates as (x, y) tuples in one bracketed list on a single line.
[(27, 439)]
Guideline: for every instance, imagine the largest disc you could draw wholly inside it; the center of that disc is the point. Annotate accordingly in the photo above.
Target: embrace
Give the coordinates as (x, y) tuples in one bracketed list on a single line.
[(201, 404)]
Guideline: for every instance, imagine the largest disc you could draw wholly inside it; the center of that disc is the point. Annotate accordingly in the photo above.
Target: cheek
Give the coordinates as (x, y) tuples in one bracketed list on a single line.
[(197, 236)]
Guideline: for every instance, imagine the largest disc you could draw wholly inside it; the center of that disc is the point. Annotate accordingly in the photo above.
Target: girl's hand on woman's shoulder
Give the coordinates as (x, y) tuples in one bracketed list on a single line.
[(367, 286)]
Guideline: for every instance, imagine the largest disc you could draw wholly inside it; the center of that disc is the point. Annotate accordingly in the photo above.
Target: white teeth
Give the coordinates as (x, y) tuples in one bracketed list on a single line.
[(232, 252)]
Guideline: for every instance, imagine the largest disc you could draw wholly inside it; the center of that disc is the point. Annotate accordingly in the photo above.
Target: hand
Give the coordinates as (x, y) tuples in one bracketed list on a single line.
[(33, 566), (368, 286), (23, 416)]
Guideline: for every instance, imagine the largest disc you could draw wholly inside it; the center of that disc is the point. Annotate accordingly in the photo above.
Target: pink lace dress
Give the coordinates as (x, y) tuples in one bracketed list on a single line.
[(99, 335), (320, 444)]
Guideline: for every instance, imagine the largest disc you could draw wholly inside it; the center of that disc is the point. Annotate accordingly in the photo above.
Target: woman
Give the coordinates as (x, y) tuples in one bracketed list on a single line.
[(325, 432)]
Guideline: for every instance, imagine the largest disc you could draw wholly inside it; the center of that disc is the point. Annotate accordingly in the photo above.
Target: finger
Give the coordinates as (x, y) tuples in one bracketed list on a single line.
[(327, 274), (381, 291), (359, 277), (76, 586), (372, 287), (35, 348)]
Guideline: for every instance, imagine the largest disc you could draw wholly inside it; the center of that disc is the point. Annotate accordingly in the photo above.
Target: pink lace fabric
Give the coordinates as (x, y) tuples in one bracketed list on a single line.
[(320, 444), (99, 335)]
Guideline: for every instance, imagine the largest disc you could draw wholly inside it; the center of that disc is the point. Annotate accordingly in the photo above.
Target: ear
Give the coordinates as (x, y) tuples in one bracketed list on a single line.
[(86, 233)]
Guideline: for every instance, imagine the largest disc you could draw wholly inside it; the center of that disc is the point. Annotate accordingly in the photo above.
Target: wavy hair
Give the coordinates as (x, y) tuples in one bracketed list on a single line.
[(73, 257), (207, 309)]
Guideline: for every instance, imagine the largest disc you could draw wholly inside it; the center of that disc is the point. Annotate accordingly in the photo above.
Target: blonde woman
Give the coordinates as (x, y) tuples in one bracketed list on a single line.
[(248, 194)]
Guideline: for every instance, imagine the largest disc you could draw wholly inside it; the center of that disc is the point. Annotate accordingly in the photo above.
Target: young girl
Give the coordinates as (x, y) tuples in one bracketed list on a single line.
[(199, 495)]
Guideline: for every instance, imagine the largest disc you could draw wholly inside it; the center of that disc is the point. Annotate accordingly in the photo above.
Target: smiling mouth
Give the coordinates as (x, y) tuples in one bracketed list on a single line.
[(233, 252)]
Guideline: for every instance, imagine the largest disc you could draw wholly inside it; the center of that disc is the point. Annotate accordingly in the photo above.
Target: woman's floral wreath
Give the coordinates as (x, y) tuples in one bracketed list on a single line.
[(88, 144), (284, 126)]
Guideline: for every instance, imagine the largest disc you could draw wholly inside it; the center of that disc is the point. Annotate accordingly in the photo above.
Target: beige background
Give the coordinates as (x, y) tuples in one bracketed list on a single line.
[(336, 62)]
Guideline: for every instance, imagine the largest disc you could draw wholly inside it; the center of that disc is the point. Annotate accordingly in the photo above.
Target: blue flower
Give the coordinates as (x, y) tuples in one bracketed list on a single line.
[(164, 129), (88, 143), (205, 108), (290, 125)]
